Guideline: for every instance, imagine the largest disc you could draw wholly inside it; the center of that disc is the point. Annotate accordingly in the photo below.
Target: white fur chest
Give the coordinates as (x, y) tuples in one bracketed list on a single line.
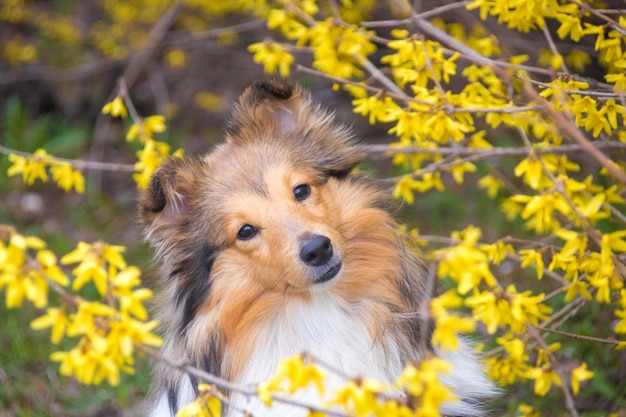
[(330, 333)]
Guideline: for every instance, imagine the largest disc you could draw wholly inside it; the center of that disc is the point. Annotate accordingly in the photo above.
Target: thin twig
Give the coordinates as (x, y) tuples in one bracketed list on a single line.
[(425, 15), (580, 336), (77, 163), (552, 46), (495, 152), (378, 75)]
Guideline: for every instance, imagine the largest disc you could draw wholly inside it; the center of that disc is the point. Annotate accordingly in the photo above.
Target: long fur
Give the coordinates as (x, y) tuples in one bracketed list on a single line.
[(235, 306)]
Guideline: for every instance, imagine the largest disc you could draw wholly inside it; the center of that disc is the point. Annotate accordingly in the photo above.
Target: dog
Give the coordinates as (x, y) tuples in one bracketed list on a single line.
[(270, 247)]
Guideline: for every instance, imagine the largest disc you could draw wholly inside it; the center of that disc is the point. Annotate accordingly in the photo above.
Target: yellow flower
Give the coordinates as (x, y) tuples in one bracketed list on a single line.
[(467, 265), (273, 56), (48, 265), (149, 159), (116, 108), (293, 374), (580, 374), (532, 257), (67, 177), (544, 378), (458, 171), (446, 327), (206, 405), (55, 318), (507, 369), (378, 110), (92, 260), (20, 280), (287, 24), (424, 384), (527, 411), (442, 127), (193, 409), (497, 251), (359, 397), (339, 50), (146, 128), (533, 173), (31, 168), (570, 25), (404, 189), (492, 184)]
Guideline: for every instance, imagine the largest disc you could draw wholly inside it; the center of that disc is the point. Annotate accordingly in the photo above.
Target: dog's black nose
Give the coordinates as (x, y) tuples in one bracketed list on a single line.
[(316, 251)]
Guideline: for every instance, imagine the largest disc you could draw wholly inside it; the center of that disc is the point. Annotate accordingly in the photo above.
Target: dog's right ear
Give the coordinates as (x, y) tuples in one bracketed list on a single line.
[(168, 198)]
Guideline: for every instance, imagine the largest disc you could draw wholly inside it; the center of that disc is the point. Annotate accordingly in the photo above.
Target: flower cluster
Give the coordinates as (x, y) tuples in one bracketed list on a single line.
[(142, 130), (108, 332), (207, 404), (417, 392), (338, 49), (36, 167)]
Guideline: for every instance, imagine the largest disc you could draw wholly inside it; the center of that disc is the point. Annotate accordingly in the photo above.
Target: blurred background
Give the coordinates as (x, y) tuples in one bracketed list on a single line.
[(61, 61)]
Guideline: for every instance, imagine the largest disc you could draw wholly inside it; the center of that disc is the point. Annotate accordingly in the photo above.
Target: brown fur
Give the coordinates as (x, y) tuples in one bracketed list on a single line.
[(221, 290)]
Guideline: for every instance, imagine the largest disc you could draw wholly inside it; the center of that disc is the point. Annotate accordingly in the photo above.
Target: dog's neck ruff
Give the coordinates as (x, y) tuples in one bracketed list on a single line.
[(331, 332), (328, 330), (335, 334)]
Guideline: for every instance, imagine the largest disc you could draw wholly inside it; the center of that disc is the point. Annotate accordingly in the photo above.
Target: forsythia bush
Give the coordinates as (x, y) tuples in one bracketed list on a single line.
[(462, 104)]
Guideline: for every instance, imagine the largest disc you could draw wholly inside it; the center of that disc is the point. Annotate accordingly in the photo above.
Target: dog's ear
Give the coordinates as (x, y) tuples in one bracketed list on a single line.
[(276, 109), (168, 198), (268, 105)]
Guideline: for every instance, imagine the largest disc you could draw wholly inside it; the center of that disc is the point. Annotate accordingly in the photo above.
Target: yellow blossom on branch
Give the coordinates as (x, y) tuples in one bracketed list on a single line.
[(464, 262), (531, 257), (447, 325), (273, 56), (339, 50), (513, 366), (423, 383), (32, 169), (544, 377), (580, 374), (205, 405), (35, 167), (20, 278), (404, 189), (292, 375), (55, 318), (146, 128), (67, 177), (149, 159), (116, 108)]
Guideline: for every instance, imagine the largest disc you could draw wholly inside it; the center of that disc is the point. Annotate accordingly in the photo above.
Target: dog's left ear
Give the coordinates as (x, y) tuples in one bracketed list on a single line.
[(276, 109)]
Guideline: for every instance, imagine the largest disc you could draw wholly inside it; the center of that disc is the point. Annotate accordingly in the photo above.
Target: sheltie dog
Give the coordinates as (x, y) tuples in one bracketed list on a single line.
[(270, 247)]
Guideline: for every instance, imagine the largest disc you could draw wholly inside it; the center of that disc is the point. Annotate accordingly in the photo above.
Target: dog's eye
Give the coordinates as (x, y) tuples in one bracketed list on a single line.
[(247, 232), (302, 191)]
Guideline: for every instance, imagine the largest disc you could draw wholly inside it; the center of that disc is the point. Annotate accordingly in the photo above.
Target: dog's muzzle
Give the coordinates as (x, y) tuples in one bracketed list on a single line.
[(317, 252)]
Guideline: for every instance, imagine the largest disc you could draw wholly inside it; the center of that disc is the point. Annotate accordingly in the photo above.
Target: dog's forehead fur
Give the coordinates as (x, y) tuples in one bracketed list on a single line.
[(244, 167)]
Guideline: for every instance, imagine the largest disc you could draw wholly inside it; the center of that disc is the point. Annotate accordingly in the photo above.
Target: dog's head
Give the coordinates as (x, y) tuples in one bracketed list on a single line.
[(266, 201)]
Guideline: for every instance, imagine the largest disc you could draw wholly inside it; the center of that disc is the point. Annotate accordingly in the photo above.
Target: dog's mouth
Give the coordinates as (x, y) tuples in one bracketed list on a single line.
[(329, 274)]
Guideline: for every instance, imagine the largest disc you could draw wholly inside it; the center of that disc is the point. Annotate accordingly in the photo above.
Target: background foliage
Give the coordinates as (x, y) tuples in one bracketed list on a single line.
[(498, 123)]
